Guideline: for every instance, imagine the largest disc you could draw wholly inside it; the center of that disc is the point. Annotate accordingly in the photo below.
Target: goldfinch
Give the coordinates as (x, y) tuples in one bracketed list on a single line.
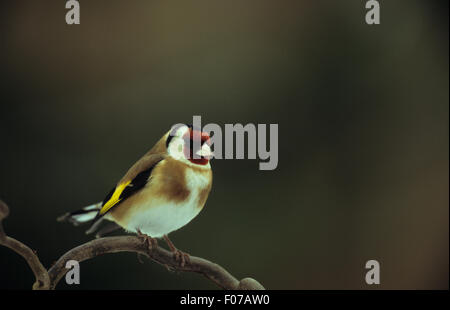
[(160, 193)]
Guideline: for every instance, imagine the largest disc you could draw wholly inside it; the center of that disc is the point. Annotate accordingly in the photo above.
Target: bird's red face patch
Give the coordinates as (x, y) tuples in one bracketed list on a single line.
[(189, 137)]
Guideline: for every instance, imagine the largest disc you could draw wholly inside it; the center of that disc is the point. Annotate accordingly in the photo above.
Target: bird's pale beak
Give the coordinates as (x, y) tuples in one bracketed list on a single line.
[(205, 152)]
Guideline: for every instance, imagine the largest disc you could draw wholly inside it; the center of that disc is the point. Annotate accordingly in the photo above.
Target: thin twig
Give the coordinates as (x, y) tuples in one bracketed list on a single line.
[(42, 277)]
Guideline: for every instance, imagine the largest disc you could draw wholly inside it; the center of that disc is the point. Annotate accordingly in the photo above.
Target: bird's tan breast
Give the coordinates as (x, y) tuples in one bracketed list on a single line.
[(174, 195)]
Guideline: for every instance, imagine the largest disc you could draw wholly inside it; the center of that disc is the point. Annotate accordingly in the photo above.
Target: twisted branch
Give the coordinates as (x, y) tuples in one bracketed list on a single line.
[(40, 273), (49, 279)]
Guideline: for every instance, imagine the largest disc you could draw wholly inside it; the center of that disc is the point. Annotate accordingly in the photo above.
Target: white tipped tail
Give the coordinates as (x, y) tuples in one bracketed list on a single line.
[(84, 215)]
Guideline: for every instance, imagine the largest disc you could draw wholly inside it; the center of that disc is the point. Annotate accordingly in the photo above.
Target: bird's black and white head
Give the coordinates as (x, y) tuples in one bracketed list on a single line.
[(189, 145)]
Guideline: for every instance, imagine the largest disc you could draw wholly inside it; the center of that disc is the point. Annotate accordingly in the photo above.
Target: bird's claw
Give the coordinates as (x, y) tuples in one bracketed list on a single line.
[(151, 243), (181, 257)]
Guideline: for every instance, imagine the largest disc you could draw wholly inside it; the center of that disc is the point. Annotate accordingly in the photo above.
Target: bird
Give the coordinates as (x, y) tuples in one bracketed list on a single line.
[(162, 192)]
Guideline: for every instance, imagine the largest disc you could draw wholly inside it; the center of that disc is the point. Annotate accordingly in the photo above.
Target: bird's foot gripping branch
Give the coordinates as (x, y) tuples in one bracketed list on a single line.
[(48, 279)]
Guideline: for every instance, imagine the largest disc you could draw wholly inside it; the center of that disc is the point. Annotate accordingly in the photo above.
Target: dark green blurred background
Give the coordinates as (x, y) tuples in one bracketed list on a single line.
[(363, 120)]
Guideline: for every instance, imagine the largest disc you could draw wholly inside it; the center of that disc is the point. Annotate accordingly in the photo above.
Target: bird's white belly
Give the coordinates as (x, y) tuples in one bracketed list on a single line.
[(160, 220), (157, 218)]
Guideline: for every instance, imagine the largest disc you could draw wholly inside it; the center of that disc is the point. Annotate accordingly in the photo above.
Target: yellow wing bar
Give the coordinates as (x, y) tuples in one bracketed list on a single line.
[(115, 198)]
